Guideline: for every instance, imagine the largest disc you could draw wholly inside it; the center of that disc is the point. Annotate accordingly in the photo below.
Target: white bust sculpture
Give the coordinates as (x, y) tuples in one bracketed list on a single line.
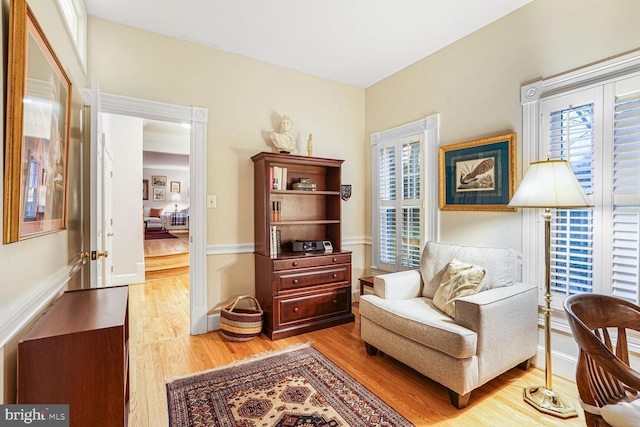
[(282, 140)]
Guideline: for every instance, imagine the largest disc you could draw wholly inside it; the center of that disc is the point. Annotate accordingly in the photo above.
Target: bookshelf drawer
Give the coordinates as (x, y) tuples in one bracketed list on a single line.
[(295, 279), (310, 307), (311, 261)]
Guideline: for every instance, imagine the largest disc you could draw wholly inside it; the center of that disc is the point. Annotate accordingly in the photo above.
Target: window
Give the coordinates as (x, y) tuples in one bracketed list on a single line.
[(403, 204), (591, 118), (75, 17)]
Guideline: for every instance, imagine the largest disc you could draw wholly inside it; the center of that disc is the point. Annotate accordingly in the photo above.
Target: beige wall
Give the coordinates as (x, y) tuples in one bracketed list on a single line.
[(32, 270), (475, 86), (245, 99)]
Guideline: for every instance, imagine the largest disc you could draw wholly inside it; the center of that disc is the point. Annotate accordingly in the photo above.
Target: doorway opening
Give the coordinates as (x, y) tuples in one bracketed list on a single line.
[(196, 118)]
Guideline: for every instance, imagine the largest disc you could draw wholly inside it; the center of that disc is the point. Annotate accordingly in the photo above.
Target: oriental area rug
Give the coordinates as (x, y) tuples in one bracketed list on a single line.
[(297, 387)]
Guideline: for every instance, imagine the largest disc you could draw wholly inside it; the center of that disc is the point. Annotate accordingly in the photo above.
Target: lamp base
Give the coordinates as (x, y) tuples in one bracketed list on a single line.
[(548, 401)]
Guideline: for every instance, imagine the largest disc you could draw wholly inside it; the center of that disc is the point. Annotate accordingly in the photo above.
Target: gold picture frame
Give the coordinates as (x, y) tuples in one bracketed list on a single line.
[(37, 132), (478, 175), (175, 186)]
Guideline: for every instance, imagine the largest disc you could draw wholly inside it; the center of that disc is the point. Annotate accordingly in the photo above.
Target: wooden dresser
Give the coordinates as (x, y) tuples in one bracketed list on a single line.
[(77, 353), (300, 291)]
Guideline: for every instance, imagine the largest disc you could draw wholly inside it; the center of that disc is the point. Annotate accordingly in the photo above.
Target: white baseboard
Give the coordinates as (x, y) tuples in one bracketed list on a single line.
[(562, 364), (213, 322)]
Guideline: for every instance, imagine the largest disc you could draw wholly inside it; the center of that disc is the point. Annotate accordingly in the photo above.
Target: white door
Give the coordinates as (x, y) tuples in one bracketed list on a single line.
[(98, 201), (107, 214)]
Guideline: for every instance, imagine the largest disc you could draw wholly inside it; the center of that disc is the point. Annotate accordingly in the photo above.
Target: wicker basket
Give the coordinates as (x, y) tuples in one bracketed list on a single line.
[(240, 324)]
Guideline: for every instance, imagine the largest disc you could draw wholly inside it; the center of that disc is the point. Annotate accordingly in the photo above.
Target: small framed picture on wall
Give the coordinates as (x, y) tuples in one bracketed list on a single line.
[(159, 181), (145, 189), (175, 186), (159, 194)]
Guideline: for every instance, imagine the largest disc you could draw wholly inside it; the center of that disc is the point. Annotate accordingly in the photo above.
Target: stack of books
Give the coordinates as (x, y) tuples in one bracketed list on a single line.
[(304, 184)]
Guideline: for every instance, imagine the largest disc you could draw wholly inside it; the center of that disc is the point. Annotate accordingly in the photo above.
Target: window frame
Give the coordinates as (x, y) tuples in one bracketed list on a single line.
[(533, 140), (428, 129), (78, 35)]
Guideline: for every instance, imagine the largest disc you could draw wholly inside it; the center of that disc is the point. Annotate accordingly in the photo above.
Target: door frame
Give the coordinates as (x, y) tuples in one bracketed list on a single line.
[(197, 117)]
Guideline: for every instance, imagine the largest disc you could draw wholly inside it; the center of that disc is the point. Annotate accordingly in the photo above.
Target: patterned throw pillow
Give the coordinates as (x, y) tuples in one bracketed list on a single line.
[(155, 212), (459, 280)]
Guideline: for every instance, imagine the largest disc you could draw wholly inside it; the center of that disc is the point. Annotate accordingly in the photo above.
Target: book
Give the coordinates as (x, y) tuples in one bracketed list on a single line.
[(277, 178), (273, 236), (284, 179)]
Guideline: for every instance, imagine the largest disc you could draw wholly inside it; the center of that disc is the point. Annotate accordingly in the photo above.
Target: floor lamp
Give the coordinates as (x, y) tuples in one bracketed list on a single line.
[(549, 184)]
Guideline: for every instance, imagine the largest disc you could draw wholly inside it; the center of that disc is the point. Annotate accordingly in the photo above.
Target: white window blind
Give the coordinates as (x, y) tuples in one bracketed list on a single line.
[(411, 203), (571, 138), (626, 198), (388, 205), (400, 207), (597, 130)]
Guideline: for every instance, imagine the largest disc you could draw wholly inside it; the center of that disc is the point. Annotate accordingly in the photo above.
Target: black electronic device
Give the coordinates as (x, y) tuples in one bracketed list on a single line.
[(307, 245)]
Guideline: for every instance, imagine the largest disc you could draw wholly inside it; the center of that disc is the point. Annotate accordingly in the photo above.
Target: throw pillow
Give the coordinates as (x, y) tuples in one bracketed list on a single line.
[(155, 212), (459, 280)]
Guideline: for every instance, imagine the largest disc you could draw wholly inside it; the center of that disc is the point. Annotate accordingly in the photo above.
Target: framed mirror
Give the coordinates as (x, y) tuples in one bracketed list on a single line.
[(37, 132)]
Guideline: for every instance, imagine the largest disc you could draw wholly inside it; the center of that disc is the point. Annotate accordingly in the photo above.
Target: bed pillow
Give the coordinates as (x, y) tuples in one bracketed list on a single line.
[(155, 212), (459, 280)]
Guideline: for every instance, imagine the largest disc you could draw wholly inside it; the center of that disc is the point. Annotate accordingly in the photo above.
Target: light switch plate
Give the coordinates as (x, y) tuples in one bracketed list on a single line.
[(211, 201)]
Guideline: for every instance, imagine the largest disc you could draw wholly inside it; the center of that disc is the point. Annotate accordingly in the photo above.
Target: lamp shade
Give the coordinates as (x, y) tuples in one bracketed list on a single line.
[(176, 198), (549, 184)]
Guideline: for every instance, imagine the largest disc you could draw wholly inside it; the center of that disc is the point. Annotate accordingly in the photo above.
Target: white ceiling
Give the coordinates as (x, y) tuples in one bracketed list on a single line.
[(358, 42)]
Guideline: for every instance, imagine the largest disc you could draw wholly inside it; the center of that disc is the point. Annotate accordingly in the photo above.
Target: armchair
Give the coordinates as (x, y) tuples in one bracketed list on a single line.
[(491, 331)]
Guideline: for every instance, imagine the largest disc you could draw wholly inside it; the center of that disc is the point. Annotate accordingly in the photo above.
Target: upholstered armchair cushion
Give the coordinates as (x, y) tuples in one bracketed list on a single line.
[(502, 264), (419, 320), (401, 285)]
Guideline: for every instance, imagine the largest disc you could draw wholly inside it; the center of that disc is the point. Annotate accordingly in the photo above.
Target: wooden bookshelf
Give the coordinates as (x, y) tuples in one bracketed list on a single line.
[(300, 291)]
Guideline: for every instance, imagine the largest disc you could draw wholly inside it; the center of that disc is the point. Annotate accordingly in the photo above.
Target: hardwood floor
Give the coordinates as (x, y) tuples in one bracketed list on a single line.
[(167, 257), (161, 348)]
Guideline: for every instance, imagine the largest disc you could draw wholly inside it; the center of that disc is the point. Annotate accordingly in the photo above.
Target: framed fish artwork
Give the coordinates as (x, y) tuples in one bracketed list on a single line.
[(478, 175)]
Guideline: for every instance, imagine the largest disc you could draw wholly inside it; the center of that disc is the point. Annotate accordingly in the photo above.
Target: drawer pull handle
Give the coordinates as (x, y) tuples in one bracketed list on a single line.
[(295, 281), (295, 309), (335, 301), (335, 275), (335, 259), (295, 264)]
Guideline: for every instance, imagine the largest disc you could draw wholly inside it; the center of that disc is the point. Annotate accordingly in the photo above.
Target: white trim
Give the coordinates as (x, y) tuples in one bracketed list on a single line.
[(213, 322), (249, 248), (354, 241), (23, 311), (198, 118), (243, 248)]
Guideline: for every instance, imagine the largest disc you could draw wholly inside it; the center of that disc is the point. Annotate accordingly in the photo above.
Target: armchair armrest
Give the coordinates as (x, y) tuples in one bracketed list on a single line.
[(396, 286), (506, 321)]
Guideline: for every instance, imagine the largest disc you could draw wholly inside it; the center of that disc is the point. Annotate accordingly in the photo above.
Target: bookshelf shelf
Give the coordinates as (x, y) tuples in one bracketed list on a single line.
[(306, 193), (299, 291)]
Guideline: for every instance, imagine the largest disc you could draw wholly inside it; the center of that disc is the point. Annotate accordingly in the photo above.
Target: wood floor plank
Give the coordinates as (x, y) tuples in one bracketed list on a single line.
[(161, 348)]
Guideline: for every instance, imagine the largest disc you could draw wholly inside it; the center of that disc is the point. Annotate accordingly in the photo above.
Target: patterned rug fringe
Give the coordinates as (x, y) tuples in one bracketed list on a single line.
[(249, 359)]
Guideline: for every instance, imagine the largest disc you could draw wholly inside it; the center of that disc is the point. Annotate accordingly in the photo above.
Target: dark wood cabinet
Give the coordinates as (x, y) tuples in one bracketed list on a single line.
[(300, 291), (77, 353)]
